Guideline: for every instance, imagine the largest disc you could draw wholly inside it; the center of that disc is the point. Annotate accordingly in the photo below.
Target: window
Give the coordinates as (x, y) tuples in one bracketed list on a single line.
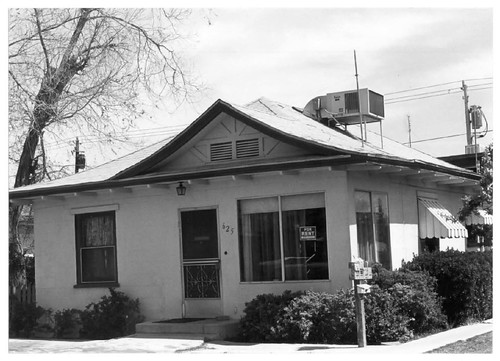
[(372, 223), (283, 238), (96, 248)]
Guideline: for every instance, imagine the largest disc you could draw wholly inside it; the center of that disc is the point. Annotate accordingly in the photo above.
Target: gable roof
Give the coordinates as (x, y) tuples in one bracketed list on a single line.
[(272, 118)]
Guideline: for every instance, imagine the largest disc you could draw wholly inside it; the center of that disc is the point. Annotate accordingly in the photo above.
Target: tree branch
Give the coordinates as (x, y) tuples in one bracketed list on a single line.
[(42, 43)]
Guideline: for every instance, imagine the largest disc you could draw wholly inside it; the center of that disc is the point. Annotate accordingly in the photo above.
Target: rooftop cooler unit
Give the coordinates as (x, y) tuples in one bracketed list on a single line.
[(345, 108)]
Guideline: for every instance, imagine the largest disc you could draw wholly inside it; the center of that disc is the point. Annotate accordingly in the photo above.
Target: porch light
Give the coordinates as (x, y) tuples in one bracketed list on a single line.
[(181, 190)]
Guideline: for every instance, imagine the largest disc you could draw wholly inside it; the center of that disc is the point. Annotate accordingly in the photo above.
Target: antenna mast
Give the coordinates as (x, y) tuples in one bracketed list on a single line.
[(409, 129), (359, 102)]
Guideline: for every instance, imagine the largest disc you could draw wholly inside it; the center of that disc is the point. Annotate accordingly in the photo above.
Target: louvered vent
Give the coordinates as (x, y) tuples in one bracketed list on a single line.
[(221, 151), (247, 148)]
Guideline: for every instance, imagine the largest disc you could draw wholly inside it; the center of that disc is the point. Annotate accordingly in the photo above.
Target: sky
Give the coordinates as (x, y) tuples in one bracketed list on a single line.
[(293, 55), (417, 57)]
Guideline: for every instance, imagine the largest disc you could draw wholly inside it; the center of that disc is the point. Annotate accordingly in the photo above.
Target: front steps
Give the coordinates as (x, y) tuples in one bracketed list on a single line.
[(208, 329)]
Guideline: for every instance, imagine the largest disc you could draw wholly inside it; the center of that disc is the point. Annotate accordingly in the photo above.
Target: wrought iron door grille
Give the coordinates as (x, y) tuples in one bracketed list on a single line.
[(201, 281)]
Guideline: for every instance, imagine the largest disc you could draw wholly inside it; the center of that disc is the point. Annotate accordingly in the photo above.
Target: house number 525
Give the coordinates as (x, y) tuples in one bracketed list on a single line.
[(228, 229)]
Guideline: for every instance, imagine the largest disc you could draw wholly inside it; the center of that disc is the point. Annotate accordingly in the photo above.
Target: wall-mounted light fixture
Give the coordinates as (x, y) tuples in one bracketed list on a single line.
[(181, 190)]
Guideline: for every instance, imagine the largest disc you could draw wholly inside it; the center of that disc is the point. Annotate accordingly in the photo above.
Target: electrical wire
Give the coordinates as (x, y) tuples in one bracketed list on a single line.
[(431, 96), (424, 87), (443, 137), (436, 85), (169, 130), (423, 97), (426, 93), (486, 121)]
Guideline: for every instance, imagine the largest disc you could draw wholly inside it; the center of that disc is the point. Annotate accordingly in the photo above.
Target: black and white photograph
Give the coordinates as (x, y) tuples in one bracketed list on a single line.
[(261, 178)]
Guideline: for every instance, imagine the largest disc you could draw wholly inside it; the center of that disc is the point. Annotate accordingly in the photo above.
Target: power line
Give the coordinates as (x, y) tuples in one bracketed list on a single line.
[(423, 97), (414, 95), (430, 96), (168, 130), (489, 78), (436, 85), (424, 87), (443, 137)]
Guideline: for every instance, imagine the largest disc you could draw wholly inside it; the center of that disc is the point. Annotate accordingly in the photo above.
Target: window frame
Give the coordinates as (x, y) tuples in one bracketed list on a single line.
[(281, 238), (373, 225), (79, 218)]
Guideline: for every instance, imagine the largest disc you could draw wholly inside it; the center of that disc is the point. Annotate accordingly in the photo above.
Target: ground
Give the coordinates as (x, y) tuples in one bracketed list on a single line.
[(479, 344)]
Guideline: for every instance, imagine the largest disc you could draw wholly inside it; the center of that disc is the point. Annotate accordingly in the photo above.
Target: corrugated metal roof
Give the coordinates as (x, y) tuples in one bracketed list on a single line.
[(279, 118)]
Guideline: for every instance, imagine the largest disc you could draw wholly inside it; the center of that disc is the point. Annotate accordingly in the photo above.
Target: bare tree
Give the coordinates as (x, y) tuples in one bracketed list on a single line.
[(86, 70)]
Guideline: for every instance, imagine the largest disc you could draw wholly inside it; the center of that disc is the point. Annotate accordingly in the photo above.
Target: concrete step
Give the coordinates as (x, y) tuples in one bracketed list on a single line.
[(209, 329), (176, 336)]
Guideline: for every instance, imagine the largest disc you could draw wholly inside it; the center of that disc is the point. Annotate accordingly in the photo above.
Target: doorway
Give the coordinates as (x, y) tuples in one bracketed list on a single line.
[(200, 263)]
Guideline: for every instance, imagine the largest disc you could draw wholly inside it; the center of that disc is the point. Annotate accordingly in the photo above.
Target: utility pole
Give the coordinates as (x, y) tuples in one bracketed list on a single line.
[(77, 152), (79, 157), (409, 129), (467, 114)]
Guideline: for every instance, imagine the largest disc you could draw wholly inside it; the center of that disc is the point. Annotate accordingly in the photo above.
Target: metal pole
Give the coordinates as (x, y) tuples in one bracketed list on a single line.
[(360, 316), (467, 114), (409, 129), (381, 135), (359, 102)]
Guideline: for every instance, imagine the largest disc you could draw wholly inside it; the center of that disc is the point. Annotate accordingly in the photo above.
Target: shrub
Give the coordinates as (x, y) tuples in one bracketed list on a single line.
[(66, 322), (464, 281), (319, 318), (385, 319), (23, 318), (114, 316), (261, 317), (415, 295), (325, 318)]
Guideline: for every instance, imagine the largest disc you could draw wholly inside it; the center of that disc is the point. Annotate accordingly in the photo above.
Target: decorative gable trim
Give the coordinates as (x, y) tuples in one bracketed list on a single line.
[(203, 120)]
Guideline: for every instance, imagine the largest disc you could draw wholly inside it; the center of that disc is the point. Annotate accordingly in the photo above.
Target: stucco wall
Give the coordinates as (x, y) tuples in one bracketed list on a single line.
[(148, 241)]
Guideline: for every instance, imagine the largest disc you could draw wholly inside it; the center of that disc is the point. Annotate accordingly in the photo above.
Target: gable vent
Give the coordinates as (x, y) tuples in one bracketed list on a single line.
[(221, 151), (247, 148)]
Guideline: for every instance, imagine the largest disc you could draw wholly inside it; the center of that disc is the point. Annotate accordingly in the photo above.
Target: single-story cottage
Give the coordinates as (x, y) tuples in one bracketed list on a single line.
[(246, 200)]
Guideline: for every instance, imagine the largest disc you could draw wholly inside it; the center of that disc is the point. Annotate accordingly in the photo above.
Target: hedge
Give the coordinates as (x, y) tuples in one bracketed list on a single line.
[(464, 281)]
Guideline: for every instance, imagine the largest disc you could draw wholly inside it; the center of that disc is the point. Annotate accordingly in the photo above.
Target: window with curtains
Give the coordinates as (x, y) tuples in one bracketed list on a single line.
[(96, 247), (372, 223), (283, 238)]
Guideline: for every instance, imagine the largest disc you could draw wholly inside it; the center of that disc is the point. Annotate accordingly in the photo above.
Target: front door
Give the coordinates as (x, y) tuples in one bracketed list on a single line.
[(200, 263)]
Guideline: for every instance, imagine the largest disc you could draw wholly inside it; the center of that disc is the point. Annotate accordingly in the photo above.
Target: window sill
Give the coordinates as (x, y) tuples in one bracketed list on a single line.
[(285, 281), (97, 285)]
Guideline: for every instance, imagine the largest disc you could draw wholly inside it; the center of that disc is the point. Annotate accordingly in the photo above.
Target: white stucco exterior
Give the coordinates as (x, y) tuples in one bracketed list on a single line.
[(148, 237)]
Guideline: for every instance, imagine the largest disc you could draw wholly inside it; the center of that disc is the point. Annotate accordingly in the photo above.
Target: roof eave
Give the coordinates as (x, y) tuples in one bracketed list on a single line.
[(277, 165)]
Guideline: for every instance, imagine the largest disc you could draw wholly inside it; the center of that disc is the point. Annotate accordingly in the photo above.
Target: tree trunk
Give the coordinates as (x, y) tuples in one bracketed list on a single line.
[(51, 88)]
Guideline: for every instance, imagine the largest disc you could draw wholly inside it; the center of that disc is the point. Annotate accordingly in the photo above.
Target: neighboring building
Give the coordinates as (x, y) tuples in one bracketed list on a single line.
[(467, 161), (273, 200)]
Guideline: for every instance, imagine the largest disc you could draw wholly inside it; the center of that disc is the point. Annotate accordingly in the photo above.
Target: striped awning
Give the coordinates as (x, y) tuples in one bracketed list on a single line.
[(482, 217), (435, 221)]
